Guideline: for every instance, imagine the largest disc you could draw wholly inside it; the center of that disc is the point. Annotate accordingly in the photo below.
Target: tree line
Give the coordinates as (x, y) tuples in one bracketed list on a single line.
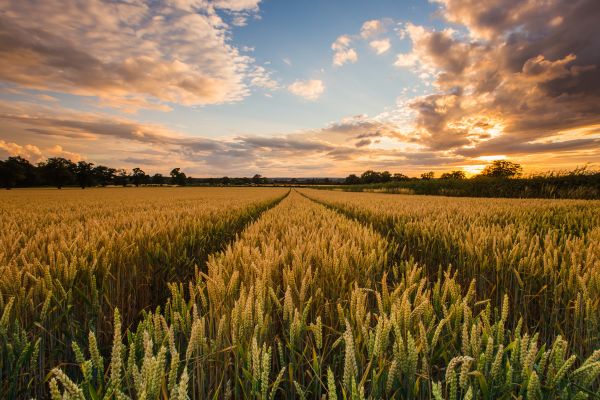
[(60, 172), (499, 179), (497, 169)]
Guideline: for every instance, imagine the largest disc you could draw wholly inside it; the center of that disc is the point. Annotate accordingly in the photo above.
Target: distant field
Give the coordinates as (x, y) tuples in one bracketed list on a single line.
[(576, 185), (263, 293)]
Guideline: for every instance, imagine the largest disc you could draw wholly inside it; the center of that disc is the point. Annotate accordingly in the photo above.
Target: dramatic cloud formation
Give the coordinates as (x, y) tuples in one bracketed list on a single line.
[(355, 142), (526, 72), (343, 53), (310, 90), (497, 78), (130, 54), (351, 145)]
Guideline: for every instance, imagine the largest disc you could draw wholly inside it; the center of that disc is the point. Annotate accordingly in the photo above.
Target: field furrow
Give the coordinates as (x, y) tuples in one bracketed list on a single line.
[(69, 258), (544, 254), (308, 303)]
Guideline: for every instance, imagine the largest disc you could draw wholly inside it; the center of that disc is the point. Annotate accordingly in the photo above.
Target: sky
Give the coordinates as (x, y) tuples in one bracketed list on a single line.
[(302, 88)]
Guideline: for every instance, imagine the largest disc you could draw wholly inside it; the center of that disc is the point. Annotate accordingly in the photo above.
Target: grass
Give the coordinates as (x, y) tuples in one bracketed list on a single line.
[(579, 184), (334, 295), (71, 257)]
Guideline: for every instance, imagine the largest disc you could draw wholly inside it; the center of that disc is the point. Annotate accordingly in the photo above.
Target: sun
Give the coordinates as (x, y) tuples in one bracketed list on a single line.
[(473, 169), (492, 158)]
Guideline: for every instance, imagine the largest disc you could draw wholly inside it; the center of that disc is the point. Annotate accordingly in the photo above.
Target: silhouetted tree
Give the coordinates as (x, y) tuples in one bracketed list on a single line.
[(370, 176), (16, 171), (352, 179), (257, 179), (225, 180), (454, 175), (29, 170), (178, 177), (58, 171), (84, 174), (104, 175), (397, 177), (158, 179), (502, 169), (428, 175), (6, 177), (138, 176), (121, 177)]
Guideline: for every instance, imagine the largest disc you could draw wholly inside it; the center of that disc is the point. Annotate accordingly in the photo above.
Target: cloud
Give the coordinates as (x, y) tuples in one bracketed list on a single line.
[(133, 53), (236, 5), (240, 10), (371, 28), (380, 46), (517, 77), (345, 56), (350, 145), (510, 78), (28, 151), (343, 53), (363, 142), (338, 148), (261, 77), (359, 127), (435, 50), (310, 89), (64, 123), (506, 146), (159, 145), (34, 154), (143, 161)]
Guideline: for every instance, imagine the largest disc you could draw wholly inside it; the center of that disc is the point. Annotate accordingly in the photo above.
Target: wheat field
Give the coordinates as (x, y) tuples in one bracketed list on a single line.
[(265, 293)]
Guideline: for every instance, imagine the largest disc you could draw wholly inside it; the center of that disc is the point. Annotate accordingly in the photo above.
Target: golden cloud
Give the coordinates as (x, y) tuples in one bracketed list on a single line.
[(131, 54)]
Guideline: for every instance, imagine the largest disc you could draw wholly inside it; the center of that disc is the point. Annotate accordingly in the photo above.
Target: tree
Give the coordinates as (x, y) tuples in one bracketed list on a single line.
[(121, 178), (225, 180), (502, 169), (84, 174), (16, 171), (399, 177), (104, 175), (28, 171), (385, 176), (454, 175), (428, 175), (257, 179), (352, 179), (138, 176), (178, 177), (58, 171), (158, 179), (370, 176), (7, 176)]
